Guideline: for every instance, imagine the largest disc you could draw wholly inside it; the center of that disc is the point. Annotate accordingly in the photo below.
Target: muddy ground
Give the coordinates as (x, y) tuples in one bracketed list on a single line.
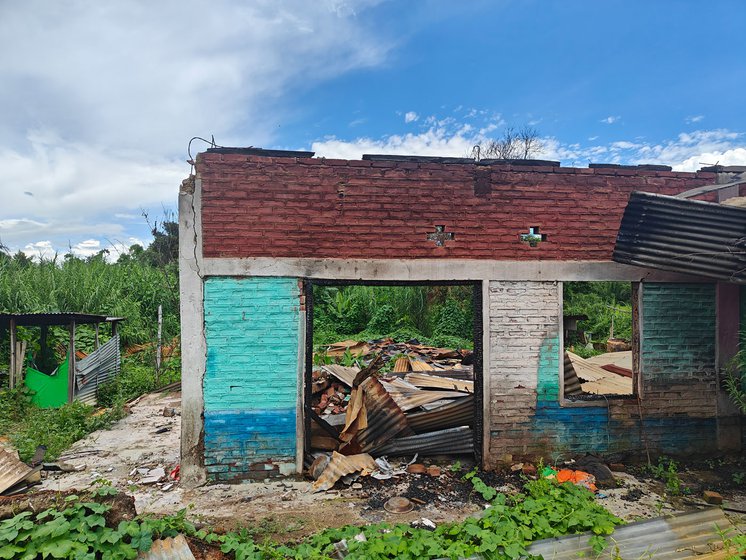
[(130, 454)]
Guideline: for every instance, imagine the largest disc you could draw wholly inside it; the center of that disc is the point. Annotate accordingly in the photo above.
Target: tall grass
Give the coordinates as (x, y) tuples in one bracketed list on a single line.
[(130, 289)]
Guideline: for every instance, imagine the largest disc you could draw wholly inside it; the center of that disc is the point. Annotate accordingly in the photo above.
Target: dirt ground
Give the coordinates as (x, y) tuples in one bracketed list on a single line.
[(135, 448)]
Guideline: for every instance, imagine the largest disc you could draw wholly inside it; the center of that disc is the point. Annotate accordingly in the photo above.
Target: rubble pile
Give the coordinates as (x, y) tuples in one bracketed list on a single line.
[(409, 398)]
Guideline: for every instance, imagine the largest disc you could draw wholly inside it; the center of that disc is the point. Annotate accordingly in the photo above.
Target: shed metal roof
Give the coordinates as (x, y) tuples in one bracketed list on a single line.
[(689, 236), (57, 318)]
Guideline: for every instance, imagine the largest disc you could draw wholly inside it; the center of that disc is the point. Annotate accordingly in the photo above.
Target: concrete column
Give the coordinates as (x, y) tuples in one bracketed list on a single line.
[(193, 346)]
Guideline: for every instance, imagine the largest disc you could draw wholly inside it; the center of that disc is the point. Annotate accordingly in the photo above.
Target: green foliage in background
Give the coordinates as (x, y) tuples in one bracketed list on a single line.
[(600, 301), (437, 315), (137, 378), (132, 287)]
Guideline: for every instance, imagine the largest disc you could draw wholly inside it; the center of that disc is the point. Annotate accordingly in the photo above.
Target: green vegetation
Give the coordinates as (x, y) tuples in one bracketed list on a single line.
[(57, 428), (133, 287), (667, 471), (605, 303), (545, 509), (436, 315)]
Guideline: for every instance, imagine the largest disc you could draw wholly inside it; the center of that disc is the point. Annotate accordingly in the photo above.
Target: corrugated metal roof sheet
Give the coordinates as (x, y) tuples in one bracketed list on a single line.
[(12, 470), (455, 441), (341, 465), (678, 537), (458, 413), (55, 318), (385, 419), (97, 368), (680, 235)]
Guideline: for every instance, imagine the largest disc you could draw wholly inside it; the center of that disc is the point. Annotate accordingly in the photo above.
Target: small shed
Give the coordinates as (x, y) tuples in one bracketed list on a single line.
[(82, 375)]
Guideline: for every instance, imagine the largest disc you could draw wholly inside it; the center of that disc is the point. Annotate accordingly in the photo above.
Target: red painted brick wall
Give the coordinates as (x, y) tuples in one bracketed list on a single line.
[(256, 206)]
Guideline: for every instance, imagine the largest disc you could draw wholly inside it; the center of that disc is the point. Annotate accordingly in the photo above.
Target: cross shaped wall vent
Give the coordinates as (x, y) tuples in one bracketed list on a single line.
[(533, 237), (440, 236)]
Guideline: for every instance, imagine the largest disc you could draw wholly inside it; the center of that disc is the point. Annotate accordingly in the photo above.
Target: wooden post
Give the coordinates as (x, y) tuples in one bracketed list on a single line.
[(12, 371), (159, 346), (95, 337), (113, 329), (71, 365)]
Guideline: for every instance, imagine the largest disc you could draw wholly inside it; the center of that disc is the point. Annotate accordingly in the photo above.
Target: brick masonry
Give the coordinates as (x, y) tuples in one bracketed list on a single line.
[(331, 209), (317, 208), (678, 401), (252, 330)]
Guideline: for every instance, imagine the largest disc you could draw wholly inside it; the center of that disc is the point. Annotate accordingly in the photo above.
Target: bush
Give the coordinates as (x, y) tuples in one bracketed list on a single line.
[(28, 426), (136, 379)]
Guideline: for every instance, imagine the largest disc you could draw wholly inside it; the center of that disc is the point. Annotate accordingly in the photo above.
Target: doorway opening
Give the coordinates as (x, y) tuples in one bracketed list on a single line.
[(393, 368)]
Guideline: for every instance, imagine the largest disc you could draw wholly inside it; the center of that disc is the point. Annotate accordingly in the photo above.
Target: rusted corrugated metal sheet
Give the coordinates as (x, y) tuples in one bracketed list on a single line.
[(453, 441), (424, 380), (407, 396), (458, 413), (678, 537), (345, 374), (385, 419), (340, 466), (12, 470), (680, 235), (176, 548)]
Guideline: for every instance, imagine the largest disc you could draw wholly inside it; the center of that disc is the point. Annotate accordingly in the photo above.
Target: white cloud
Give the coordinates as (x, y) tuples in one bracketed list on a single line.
[(410, 116), (447, 137), (611, 119), (99, 100), (694, 119)]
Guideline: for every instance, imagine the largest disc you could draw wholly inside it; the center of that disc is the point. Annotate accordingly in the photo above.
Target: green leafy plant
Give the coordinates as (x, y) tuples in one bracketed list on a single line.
[(667, 471), (504, 531)]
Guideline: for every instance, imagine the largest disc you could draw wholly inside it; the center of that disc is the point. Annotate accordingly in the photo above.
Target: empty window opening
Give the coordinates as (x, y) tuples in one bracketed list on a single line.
[(598, 330), (533, 237), (393, 370)]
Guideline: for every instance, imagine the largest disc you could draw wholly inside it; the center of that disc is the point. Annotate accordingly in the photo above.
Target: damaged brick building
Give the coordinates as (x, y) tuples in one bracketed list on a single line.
[(258, 227)]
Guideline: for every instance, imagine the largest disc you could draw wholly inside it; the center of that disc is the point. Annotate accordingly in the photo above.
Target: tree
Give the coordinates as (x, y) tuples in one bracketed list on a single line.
[(523, 143)]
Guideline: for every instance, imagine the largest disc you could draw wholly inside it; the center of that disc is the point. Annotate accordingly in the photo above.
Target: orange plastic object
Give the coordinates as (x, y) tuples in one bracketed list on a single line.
[(577, 477)]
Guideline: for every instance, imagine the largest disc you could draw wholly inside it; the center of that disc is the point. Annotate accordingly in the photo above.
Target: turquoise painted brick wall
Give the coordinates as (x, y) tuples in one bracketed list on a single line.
[(252, 329), (678, 325), (549, 367), (679, 360)]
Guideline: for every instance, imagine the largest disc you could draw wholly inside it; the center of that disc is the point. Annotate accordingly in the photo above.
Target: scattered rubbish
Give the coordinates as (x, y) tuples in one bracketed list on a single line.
[(167, 487), (579, 478), (712, 497), (423, 523), (319, 464), (398, 504), (341, 465), (16, 476), (162, 430), (169, 411), (417, 468), (433, 470), (363, 411), (38, 457), (61, 467), (175, 473), (175, 548)]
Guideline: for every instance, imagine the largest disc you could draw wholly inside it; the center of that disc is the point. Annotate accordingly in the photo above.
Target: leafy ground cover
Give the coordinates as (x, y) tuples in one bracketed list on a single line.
[(544, 509), (27, 426)]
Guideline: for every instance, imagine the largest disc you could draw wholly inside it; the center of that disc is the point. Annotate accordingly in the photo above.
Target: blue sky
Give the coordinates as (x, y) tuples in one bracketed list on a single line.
[(99, 100)]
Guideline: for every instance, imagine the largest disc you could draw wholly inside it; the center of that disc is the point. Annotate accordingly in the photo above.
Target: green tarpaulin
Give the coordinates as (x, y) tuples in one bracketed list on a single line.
[(50, 391)]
